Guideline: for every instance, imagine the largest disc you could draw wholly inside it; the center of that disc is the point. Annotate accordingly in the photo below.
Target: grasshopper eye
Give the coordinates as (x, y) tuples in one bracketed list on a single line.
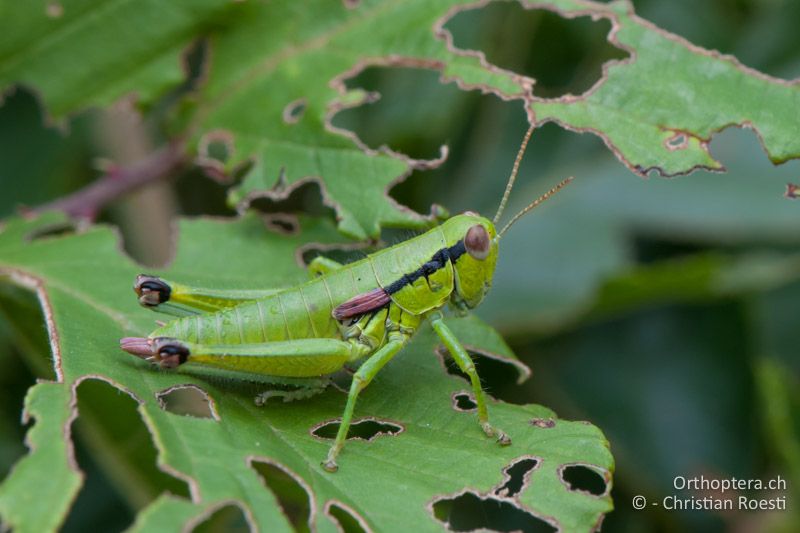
[(477, 242)]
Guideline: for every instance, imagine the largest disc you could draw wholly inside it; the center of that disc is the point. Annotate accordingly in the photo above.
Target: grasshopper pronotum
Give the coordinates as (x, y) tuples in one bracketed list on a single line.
[(366, 309)]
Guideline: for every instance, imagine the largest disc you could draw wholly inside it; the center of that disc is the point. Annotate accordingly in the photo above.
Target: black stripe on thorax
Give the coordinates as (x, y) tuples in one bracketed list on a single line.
[(439, 260)]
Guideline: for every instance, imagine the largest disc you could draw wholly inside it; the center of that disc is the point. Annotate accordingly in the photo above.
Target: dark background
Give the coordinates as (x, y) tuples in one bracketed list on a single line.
[(613, 292)]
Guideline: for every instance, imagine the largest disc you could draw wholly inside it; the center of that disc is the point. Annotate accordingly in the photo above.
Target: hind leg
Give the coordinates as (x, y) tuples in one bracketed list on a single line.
[(180, 300)]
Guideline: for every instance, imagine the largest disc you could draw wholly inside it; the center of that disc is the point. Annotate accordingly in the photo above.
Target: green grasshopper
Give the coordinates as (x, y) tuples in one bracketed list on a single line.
[(368, 309)]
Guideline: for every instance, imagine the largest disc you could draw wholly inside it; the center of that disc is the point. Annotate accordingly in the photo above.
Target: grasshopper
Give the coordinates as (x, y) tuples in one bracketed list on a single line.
[(365, 310)]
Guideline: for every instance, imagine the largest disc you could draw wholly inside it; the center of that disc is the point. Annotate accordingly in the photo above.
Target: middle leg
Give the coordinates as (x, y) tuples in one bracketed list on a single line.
[(361, 379)]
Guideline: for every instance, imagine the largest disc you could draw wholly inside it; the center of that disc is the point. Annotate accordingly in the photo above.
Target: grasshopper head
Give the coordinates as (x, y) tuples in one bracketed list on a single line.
[(474, 268)]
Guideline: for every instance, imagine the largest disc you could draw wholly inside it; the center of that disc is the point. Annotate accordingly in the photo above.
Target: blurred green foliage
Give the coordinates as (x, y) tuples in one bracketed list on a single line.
[(663, 310)]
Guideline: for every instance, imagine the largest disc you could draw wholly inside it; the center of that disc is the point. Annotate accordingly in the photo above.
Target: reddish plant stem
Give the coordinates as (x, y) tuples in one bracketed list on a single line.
[(87, 203)]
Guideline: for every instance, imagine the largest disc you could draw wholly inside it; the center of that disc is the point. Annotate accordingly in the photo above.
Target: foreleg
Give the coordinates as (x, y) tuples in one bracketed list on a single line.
[(466, 365)]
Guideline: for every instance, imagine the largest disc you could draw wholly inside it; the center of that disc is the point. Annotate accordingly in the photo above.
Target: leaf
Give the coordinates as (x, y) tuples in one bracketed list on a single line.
[(276, 73), (659, 110), (38, 492), (84, 286)]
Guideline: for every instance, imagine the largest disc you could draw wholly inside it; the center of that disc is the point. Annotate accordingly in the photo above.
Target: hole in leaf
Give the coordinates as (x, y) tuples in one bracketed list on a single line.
[(409, 97), (213, 151), (463, 401), (516, 474), (727, 26), (187, 400), (564, 56), (305, 198), (678, 141), (283, 223), (498, 377), (292, 496), (54, 160), (344, 254), (219, 150), (198, 195), (294, 111), (583, 478), (229, 518), (216, 146), (363, 429), (347, 520), (195, 62), (15, 379), (21, 317), (468, 512), (24, 357), (110, 431)]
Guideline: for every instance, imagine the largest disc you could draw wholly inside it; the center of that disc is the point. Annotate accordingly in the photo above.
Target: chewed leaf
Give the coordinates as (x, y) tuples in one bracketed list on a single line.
[(410, 428), (276, 75), (660, 109), (40, 489)]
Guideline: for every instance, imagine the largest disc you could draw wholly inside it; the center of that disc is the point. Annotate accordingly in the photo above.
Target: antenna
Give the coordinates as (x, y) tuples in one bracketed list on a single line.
[(514, 171), (533, 204)]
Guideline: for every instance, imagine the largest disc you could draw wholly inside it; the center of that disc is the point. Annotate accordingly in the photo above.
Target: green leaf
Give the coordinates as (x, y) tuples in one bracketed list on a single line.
[(38, 492), (84, 282), (267, 60), (675, 92)]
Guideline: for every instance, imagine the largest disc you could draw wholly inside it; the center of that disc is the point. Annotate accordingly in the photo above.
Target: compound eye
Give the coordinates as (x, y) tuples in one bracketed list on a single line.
[(477, 242)]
